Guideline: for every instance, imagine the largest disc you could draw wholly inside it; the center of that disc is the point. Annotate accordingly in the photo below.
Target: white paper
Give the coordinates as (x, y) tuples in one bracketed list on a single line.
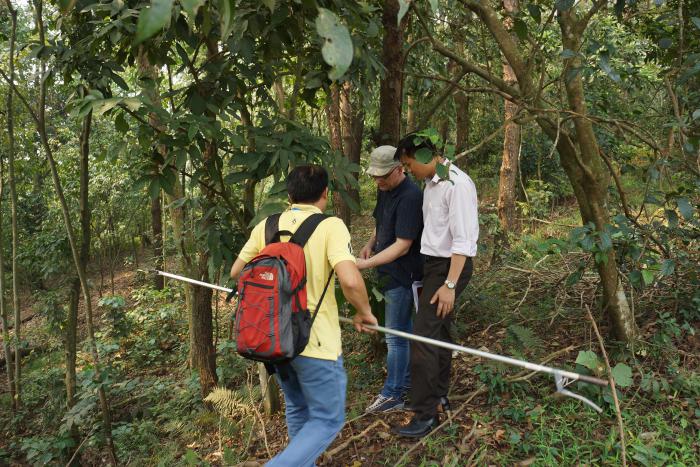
[(417, 288)]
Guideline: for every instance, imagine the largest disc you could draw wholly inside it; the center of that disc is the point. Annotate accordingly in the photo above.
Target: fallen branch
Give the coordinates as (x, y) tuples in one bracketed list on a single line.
[(347, 442), (480, 390), (618, 414)]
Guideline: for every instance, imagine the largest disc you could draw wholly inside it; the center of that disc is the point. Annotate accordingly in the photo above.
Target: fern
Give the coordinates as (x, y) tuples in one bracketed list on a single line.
[(524, 339), (228, 403)]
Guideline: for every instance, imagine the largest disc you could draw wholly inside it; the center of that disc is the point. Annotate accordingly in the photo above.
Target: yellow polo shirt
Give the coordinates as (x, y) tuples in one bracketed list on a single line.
[(327, 246)]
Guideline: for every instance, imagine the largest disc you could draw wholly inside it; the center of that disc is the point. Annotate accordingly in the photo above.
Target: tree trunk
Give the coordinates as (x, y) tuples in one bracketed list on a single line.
[(511, 147), (3, 308), (149, 78), (17, 400), (579, 158), (203, 353), (71, 332), (462, 123), (590, 179), (157, 227), (40, 119), (391, 85), (352, 127), (335, 127), (410, 114)]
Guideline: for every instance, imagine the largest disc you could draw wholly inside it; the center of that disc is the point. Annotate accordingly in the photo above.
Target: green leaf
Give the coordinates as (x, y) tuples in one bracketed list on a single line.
[(154, 188), (100, 107), (191, 457), (191, 6), (696, 21), (667, 267), (535, 12), (605, 66), (120, 123), (567, 53), (403, 9), (132, 103), (588, 359), (271, 4), (685, 208), (337, 48), (153, 19), (622, 374), (563, 5), (574, 277), (665, 42), (424, 155), (66, 5), (520, 28), (433, 6), (442, 171), (226, 17), (696, 114), (647, 276), (605, 241)]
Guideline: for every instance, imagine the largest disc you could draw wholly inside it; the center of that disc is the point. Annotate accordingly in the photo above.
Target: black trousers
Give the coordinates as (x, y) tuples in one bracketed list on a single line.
[(430, 365)]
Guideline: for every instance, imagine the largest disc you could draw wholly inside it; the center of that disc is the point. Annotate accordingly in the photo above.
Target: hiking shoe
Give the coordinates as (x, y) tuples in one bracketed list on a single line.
[(383, 404)]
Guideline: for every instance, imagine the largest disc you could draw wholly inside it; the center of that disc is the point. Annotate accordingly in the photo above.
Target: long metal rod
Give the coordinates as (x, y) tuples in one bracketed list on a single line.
[(570, 375)]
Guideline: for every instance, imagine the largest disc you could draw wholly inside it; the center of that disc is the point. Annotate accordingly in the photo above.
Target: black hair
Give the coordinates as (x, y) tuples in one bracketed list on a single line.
[(305, 183), (411, 144)]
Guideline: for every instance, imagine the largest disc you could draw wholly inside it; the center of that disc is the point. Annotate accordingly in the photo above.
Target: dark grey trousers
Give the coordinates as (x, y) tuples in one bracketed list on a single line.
[(430, 365)]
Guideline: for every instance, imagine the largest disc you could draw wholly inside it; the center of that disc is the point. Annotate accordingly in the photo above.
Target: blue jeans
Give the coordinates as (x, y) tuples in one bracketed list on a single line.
[(398, 312), (314, 394)]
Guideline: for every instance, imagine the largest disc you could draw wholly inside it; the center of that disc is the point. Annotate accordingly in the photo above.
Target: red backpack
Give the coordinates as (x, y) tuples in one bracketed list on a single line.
[(273, 323)]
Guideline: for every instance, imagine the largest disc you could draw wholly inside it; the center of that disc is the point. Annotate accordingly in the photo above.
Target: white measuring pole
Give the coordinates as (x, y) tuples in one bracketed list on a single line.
[(570, 375)]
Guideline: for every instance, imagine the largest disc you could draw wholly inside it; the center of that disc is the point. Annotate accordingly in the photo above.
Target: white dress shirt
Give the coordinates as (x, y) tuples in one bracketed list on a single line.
[(451, 221)]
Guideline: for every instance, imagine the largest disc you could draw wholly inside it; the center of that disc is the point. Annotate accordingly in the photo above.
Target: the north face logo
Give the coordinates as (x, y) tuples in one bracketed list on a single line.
[(266, 276)]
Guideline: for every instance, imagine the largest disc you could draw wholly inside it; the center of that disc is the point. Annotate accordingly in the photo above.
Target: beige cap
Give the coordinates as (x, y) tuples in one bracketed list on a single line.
[(381, 161)]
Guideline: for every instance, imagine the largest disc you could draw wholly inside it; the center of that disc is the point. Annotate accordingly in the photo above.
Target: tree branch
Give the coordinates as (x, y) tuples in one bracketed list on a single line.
[(464, 63), (21, 97), (449, 88)]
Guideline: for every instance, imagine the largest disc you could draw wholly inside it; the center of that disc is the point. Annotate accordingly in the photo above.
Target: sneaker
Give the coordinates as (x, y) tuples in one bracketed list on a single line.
[(383, 404)]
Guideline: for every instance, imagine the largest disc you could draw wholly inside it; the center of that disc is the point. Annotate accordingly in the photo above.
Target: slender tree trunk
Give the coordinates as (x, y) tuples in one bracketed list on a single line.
[(579, 157), (149, 78), (333, 114), (391, 85), (71, 332), (3, 308), (352, 127), (590, 178), (41, 128), (410, 114), (511, 146), (335, 127), (157, 227), (17, 400), (462, 123)]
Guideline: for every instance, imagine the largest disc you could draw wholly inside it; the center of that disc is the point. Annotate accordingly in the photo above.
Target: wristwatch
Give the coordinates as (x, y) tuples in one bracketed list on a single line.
[(450, 285)]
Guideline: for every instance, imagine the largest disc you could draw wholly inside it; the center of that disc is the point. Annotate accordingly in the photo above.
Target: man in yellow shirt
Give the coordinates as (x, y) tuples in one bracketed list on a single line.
[(315, 381)]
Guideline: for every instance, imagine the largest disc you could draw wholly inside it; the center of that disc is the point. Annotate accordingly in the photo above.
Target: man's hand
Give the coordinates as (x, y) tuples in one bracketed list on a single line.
[(364, 318), (365, 252), (362, 263), (445, 299)]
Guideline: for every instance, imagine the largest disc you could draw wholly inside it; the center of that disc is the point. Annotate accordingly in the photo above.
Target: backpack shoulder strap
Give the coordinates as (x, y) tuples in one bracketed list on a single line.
[(272, 229), (302, 234)]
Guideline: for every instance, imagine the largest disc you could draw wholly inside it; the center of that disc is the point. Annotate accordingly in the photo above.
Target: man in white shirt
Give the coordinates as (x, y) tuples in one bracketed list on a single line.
[(448, 243)]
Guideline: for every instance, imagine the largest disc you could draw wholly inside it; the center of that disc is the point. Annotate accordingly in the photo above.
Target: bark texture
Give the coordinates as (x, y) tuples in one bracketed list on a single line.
[(391, 85)]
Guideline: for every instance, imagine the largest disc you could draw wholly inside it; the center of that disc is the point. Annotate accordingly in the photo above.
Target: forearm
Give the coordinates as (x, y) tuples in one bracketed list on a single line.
[(357, 296), (397, 249), (236, 268), (457, 263), (353, 286)]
